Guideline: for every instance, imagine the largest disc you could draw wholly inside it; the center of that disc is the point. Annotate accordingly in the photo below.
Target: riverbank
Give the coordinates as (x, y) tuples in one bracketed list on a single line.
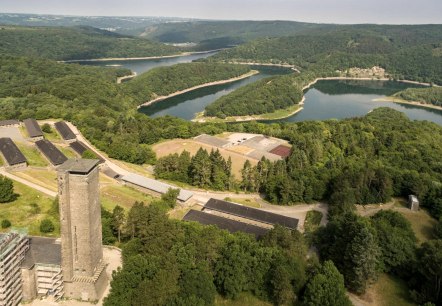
[(288, 112), (177, 93), (402, 101), (277, 115), (108, 59), (126, 77), (292, 67)]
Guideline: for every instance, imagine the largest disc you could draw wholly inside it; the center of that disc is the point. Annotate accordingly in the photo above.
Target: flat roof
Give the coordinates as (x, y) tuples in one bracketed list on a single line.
[(45, 251), (33, 128), (55, 156), (11, 152), (251, 213), (232, 226), (79, 166), (9, 122), (64, 130), (155, 185)]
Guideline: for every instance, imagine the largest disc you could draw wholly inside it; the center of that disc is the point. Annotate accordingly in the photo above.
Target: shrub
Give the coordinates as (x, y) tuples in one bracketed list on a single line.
[(46, 226), (46, 128), (6, 223)]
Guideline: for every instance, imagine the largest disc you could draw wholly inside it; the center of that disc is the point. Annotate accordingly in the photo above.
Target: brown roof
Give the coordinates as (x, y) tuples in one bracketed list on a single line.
[(64, 130), (51, 152), (282, 151), (11, 152), (33, 128)]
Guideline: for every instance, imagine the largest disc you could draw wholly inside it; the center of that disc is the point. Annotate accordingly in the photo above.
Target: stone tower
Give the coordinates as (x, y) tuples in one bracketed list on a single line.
[(82, 263)]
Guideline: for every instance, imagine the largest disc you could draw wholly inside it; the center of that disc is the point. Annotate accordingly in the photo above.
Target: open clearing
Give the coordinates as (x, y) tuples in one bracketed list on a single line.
[(21, 213), (192, 146), (43, 177), (387, 291), (33, 155), (124, 196)]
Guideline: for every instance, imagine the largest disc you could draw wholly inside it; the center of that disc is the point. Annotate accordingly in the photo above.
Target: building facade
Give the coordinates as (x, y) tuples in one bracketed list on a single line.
[(13, 247), (82, 262)]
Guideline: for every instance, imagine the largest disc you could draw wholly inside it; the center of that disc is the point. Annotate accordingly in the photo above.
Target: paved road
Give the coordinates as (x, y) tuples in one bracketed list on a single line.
[(27, 183)]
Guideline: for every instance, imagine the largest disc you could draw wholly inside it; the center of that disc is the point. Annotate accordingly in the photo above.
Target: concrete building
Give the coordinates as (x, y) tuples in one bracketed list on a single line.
[(13, 247), (80, 226), (413, 202), (154, 187)]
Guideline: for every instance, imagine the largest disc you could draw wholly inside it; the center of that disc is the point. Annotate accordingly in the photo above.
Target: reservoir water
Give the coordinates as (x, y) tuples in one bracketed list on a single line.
[(143, 65), (329, 99)]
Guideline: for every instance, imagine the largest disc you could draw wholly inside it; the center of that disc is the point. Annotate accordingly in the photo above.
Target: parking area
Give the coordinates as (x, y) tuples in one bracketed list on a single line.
[(12, 132)]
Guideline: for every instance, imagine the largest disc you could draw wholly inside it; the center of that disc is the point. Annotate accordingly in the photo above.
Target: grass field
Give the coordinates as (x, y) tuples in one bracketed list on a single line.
[(42, 177), (192, 146), (245, 202), (68, 152), (140, 169), (388, 291), (421, 222), (242, 300), (114, 195), (53, 136), (20, 211), (33, 155)]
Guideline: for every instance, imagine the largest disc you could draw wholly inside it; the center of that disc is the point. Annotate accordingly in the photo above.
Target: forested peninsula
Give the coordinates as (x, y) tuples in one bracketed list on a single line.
[(406, 55)]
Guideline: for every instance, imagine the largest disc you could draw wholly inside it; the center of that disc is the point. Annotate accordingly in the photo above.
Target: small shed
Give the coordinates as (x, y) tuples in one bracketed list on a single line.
[(413, 202)]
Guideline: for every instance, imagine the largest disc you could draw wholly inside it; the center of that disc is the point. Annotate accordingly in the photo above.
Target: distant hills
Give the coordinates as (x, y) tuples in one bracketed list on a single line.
[(82, 42)]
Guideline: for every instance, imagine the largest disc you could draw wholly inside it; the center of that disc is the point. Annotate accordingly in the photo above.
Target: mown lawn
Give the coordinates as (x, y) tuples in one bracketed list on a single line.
[(124, 196), (33, 155), (21, 213), (53, 136), (67, 151), (245, 202), (42, 177)]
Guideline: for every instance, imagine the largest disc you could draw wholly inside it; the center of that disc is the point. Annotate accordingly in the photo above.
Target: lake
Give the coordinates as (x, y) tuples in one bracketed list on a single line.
[(352, 98), (143, 65), (325, 100), (186, 105)]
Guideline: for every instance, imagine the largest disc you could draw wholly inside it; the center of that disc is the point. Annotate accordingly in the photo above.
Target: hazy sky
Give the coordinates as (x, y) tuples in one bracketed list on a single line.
[(335, 11)]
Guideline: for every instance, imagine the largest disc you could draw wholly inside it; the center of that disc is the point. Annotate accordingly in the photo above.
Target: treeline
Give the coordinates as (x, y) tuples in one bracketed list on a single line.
[(361, 160), (166, 80), (432, 95), (63, 43), (170, 262), (91, 99), (203, 170), (362, 248)]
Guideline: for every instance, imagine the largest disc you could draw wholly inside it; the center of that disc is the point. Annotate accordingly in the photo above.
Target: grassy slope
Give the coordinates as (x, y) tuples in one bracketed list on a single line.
[(19, 211)]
